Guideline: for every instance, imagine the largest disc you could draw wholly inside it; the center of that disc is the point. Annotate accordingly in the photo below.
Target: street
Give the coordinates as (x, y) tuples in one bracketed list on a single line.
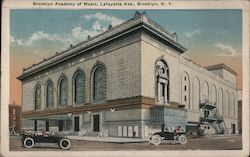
[(228, 143)]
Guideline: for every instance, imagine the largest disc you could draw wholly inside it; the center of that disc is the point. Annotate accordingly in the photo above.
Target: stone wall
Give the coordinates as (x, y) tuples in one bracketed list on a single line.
[(122, 61), (203, 84)]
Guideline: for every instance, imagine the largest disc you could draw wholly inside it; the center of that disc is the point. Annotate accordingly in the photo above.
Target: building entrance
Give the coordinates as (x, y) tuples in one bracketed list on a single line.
[(60, 125), (76, 125), (47, 125), (96, 123), (233, 128)]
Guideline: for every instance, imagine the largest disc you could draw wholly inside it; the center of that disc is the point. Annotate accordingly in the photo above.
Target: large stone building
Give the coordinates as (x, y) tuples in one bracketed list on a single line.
[(127, 81)]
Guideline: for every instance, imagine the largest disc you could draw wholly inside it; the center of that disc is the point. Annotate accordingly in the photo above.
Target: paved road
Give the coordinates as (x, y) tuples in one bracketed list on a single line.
[(232, 143)]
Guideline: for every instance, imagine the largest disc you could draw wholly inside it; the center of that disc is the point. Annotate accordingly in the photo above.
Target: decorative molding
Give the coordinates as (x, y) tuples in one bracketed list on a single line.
[(127, 103)]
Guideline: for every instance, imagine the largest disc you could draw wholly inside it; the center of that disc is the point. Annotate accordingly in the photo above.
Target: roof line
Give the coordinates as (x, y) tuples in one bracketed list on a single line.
[(221, 65), (139, 18)]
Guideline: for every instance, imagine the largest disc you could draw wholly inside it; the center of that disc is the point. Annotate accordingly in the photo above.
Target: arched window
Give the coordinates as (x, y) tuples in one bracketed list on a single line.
[(232, 105), (226, 105), (196, 93), (162, 81), (214, 95), (79, 88), (49, 94), (220, 102), (205, 92), (185, 92), (63, 91), (37, 96), (99, 83)]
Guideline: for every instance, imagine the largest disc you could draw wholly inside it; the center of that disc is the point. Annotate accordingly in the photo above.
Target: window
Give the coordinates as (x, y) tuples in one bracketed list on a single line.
[(79, 88), (163, 89), (185, 90), (99, 83), (35, 125), (38, 98), (162, 81), (63, 91), (49, 95)]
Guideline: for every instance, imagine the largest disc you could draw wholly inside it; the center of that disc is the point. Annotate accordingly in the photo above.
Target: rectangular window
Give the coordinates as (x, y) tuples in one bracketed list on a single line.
[(162, 89), (185, 88)]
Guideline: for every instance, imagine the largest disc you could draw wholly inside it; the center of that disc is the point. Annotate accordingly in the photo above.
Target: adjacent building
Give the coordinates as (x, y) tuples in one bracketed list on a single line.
[(14, 118), (240, 110), (128, 81)]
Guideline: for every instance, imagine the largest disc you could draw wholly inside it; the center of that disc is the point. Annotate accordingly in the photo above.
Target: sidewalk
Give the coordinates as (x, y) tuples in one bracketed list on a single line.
[(109, 139), (224, 136)]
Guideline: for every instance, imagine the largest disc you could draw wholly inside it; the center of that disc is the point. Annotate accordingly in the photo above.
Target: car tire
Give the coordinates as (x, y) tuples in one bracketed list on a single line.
[(28, 142), (182, 139), (64, 143), (156, 139), (12, 132)]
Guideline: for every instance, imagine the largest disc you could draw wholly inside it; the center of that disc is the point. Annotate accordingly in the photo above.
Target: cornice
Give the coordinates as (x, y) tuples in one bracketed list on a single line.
[(140, 21)]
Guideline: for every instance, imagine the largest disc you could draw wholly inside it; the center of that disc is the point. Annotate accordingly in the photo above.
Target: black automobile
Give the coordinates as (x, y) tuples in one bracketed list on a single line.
[(177, 136), (29, 139)]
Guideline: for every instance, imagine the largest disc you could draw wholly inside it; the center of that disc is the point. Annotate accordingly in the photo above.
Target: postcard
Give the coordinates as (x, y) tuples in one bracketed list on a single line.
[(125, 78)]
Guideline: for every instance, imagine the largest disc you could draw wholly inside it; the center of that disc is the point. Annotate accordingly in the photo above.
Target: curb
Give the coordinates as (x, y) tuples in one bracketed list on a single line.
[(107, 140)]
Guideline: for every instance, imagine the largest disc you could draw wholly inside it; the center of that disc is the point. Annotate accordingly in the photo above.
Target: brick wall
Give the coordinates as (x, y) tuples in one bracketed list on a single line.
[(15, 117)]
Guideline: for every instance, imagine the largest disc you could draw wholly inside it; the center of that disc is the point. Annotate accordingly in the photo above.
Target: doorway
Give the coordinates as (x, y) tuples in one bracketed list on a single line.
[(233, 128), (47, 125), (60, 125), (76, 124), (35, 125), (206, 114), (96, 123)]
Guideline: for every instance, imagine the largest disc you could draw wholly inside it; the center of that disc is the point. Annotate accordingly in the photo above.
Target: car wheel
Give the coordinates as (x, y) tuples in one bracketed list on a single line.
[(156, 139), (28, 142), (182, 139), (64, 144)]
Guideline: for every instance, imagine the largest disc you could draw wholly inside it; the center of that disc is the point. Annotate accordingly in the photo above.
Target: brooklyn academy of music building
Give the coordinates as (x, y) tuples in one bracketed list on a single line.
[(127, 82)]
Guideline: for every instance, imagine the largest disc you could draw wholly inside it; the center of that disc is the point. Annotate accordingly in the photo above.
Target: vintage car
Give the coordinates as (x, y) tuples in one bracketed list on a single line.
[(176, 136), (29, 139)]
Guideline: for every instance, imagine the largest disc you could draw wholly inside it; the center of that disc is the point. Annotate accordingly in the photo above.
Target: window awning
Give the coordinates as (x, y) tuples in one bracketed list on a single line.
[(207, 106), (52, 117)]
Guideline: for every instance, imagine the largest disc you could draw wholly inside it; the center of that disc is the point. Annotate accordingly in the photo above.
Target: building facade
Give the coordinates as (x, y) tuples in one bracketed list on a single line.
[(240, 111), (109, 84), (14, 118)]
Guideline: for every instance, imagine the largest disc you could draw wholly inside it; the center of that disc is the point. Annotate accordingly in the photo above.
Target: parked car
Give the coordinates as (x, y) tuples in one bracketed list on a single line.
[(12, 131), (175, 136), (29, 139)]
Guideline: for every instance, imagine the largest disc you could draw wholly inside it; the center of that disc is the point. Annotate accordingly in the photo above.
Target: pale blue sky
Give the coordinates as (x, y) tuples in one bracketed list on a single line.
[(200, 31)]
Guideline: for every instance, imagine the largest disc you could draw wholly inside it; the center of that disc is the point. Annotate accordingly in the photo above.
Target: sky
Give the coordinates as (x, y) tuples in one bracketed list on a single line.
[(211, 36)]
